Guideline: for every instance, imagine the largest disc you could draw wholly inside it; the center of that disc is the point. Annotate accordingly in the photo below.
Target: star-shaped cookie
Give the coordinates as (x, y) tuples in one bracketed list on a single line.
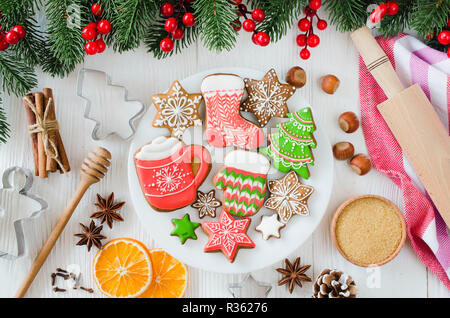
[(206, 204), (267, 97), (270, 226), (177, 110), (288, 196), (184, 228)]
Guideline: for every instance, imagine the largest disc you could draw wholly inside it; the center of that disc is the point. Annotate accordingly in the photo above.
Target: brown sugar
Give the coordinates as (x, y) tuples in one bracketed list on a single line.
[(369, 230)]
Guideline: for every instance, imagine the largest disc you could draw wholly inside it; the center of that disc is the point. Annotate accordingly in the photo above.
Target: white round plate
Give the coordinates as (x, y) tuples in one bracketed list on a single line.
[(265, 253)]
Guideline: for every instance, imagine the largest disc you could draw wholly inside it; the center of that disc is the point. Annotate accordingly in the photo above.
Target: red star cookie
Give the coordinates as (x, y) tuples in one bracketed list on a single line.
[(227, 235)]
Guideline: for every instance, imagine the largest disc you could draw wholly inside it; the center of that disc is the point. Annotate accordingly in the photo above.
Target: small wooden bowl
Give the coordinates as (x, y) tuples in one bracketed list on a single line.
[(345, 204)]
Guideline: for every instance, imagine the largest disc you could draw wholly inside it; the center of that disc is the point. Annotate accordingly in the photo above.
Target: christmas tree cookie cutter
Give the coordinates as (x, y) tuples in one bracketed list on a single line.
[(14, 198), (249, 286), (107, 105)]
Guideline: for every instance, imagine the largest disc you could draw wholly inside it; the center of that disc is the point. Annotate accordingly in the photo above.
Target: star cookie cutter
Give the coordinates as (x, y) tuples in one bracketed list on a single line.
[(99, 93), (17, 194), (249, 283)]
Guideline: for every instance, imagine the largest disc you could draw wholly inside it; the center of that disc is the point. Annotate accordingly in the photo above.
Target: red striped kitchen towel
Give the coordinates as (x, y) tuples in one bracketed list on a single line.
[(414, 62)]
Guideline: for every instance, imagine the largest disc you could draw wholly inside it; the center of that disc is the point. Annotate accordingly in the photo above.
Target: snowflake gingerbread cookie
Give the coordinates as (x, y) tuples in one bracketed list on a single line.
[(243, 180), (227, 235), (164, 169), (288, 197), (267, 97), (206, 204), (177, 110), (270, 226)]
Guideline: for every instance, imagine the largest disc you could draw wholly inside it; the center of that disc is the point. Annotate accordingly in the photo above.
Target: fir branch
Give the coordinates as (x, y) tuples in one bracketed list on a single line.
[(392, 25), (16, 76), (156, 31), (214, 18), (280, 15), (429, 16), (4, 127), (347, 15)]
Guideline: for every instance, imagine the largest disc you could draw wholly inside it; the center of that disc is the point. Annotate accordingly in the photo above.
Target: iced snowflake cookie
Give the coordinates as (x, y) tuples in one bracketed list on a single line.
[(243, 180), (288, 197), (164, 169), (227, 235), (270, 226), (290, 147), (267, 97), (177, 110), (224, 124), (206, 204)]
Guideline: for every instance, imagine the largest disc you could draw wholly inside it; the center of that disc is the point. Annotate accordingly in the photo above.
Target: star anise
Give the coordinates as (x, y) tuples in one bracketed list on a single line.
[(91, 236), (108, 210), (293, 274)]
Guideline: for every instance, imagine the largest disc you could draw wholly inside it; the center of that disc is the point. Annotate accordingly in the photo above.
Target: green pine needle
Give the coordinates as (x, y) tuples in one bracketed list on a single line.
[(16, 76), (4, 127)]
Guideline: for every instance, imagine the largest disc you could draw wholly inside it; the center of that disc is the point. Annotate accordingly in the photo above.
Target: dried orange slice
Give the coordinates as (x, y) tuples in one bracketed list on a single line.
[(169, 276), (123, 268)]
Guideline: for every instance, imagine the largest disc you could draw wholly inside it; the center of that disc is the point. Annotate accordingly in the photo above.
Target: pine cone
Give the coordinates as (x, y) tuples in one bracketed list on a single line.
[(334, 284)]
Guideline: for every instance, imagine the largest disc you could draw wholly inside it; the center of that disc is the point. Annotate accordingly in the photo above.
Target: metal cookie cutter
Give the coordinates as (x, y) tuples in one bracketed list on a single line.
[(16, 205), (108, 106), (249, 286)]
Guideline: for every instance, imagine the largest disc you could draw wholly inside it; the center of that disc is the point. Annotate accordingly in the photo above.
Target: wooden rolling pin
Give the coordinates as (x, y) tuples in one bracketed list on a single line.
[(413, 121), (93, 169)]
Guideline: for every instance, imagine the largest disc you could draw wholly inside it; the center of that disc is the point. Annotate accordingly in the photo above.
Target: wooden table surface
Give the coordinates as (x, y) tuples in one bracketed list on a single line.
[(143, 76)]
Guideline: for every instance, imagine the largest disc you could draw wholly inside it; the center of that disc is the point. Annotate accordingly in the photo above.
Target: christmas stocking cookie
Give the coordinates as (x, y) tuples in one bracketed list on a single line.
[(224, 124), (243, 181), (290, 147)]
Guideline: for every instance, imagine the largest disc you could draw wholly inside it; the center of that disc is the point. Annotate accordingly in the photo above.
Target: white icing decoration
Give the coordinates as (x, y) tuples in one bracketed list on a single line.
[(248, 161), (219, 81), (270, 226), (169, 179), (160, 148)]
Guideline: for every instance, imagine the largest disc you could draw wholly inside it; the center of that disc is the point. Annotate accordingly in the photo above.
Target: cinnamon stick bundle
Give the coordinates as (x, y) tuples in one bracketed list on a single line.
[(49, 153)]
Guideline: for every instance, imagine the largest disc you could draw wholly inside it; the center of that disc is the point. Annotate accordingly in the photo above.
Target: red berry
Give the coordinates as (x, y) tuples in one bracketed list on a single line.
[(170, 25), (313, 40), (258, 15), (448, 22), (92, 24), (254, 40), (249, 25), (262, 38), (309, 11), (88, 33), (167, 9), (235, 2), (3, 44), (20, 30), (443, 37), (96, 9), (392, 8), (242, 8), (101, 46), (322, 24), (236, 24), (91, 48), (12, 37), (304, 24), (301, 39), (188, 19), (448, 52), (104, 26), (378, 13), (315, 4), (177, 34), (166, 45), (305, 54)]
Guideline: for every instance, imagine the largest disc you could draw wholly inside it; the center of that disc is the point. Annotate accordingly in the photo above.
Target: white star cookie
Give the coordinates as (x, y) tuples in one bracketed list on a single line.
[(270, 226)]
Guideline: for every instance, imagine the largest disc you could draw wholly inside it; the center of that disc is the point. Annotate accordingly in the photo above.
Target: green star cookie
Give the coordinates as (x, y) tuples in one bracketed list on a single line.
[(184, 228)]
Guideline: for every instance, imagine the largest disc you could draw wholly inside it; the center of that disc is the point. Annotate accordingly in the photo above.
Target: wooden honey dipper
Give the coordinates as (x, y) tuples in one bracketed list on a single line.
[(93, 169)]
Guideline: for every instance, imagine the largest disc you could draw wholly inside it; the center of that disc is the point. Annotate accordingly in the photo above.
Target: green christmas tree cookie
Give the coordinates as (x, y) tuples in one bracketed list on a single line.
[(184, 228), (290, 147)]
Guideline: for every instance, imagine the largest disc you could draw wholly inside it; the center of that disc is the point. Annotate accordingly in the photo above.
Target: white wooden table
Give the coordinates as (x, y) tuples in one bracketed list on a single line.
[(143, 75)]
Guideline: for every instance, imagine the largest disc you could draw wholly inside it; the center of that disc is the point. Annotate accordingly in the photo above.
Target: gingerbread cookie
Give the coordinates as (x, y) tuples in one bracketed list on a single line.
[(270, 226), (224, 124), (227, 235), (206, 204), (164, 169), (184, 228), (243, 179), (290, 147), (177, 110), (267, 97), (288, 197)]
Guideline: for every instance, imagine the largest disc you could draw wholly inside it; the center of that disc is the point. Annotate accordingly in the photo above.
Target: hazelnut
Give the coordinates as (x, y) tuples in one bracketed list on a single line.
[(343, 150), (330, 83), (348, 122), (361, 164), (296, 76)]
